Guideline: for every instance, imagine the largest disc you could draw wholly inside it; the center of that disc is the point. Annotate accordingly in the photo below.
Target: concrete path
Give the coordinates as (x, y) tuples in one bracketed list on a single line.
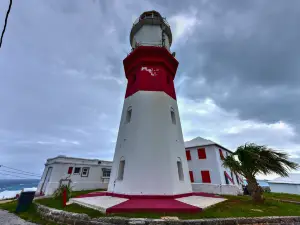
[(7, 218)]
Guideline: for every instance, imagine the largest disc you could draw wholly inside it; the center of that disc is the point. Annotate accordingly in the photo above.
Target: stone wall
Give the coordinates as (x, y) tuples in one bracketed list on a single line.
[(62, 217)]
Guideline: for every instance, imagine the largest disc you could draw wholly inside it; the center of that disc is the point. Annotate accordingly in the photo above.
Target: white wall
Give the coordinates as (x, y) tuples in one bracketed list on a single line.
[(150, 144), (217, 189), (210, 163), (285, 188), (60, 171)]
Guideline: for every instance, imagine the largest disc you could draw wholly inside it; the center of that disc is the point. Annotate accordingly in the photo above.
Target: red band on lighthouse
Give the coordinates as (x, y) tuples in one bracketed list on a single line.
[(150, 68)]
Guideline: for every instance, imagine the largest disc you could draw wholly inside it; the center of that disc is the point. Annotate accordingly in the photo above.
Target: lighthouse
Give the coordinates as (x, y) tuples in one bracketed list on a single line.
[(149, 157), (150, 170)]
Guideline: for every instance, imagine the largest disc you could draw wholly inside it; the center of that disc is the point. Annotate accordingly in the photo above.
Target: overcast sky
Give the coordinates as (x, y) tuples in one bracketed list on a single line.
[(62, 81)]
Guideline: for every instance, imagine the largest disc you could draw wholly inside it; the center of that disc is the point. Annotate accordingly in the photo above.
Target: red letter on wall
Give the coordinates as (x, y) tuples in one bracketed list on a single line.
[(191, 176), (188, 154), (205, 176), (201, 153)]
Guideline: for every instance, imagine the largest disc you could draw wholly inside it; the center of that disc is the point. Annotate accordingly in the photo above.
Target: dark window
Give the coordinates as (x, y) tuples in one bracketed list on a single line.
[(173, 116), (180, 170), (226, 178), (70, 170), (121, 170), (188, 155), (237, 179), (106, 173), (128, 115), (85, 172), (201, 153), (77, 170)]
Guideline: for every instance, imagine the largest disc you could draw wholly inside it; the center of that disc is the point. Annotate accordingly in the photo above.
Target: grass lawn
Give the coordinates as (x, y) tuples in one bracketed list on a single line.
[(282, 196), (235, 206), (31, 215)]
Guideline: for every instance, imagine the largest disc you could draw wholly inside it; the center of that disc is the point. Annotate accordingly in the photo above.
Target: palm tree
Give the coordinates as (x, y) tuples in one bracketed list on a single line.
[(250, 159)]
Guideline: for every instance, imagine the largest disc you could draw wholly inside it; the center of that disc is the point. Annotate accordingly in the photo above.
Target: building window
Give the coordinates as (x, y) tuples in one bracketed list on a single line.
[(205, 176), (221, 154), (173, 116), (237, 179), (191, 176), (70, 170), (201, 153), (85, 172), (77, 170), (106, 173), (232, 177), (226, 178), (188, 155), (128, 114), (121, 169), (180, 170)]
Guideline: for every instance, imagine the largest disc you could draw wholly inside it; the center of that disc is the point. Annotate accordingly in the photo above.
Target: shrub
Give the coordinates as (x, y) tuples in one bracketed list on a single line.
[(59, 192)]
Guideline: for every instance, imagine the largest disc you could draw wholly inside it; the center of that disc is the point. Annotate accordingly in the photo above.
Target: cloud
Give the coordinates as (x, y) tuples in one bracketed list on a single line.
[(63, 85)]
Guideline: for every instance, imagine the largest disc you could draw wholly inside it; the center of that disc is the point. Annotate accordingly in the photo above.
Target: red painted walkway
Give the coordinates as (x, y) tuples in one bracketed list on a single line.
[(148, 203), (153, 205)]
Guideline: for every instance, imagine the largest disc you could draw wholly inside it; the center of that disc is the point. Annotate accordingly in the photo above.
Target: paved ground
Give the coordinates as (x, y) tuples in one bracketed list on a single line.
[(7, 218)]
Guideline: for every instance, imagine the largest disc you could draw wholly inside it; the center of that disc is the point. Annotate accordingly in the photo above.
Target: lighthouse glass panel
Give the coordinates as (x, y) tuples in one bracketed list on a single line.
[(173, 116), (180, 170), (121, 170)]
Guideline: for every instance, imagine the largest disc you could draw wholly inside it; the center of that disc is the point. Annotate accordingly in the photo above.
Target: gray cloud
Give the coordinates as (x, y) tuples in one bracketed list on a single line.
[(62, 81)]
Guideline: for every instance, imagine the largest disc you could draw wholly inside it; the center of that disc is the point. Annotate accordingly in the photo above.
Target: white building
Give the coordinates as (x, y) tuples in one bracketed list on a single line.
[(290, 184), (206, 171), (81, 174), (149, 154)]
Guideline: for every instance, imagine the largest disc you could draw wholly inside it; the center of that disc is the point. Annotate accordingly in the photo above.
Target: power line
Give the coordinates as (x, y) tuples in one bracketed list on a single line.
[(5, 23), (13, 175), (18, 173), (20, 170)]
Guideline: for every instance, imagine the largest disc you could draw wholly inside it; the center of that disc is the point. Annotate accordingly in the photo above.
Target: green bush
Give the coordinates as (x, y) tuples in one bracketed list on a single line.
[(59, 192)]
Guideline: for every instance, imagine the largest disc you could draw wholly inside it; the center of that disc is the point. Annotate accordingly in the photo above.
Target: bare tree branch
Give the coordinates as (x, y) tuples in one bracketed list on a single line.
[(5, 23)]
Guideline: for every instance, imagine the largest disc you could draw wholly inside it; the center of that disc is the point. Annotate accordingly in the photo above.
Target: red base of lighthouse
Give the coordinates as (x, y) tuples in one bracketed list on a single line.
[(151, 203)]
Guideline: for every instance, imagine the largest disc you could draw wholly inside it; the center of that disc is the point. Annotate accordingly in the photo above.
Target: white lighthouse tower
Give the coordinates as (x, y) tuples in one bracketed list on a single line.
[(150, 156)]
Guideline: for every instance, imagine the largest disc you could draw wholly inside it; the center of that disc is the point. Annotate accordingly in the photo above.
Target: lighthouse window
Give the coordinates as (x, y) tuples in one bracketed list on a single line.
[(180, 170), (173, 116), (121, 170), (128, 115)]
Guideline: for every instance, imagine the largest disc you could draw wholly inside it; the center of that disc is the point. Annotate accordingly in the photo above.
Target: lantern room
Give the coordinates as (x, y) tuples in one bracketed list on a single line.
[(151, 29)]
